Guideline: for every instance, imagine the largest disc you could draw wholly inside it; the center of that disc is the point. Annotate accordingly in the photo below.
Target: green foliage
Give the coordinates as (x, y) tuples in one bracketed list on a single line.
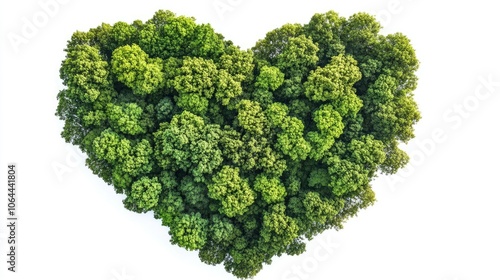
[(243, 154), (144, 195), (187, 144), (251, 117), (334, 83), (189, 231), (318, 209), (133, 67), (272, 189), (290, 140), (233, 192), (330, 126), (270, 78), (298, 56), (111, 147), (125, 119), (85, 73)]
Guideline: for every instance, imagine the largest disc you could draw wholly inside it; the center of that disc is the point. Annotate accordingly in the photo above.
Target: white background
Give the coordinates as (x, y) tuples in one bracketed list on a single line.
[(439, 218)]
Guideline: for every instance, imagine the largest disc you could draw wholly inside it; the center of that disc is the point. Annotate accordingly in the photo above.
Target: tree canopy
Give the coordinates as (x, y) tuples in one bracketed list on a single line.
[(243, 154)]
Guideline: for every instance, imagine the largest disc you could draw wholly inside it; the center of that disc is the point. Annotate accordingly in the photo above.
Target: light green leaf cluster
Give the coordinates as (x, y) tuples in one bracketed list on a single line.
[(271, 189), (126, 118), (232, 191), (133, 67), (145, 194), (85, 73), (189, 231)]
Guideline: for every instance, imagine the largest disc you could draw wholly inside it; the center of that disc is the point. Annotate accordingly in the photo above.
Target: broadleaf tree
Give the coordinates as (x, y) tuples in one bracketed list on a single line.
[(243, 154)]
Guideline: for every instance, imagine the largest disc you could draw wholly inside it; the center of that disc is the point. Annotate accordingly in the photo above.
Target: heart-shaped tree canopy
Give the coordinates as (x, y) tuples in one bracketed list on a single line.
[(243, 154)]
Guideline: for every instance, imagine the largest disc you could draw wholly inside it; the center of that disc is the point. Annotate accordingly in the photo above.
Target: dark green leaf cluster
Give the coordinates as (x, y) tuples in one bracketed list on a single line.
[(242, 154)]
